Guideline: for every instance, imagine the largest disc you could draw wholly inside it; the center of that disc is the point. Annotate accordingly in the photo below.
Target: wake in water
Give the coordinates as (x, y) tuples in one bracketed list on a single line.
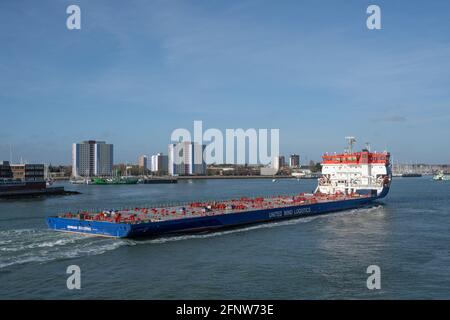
[(40, 245)]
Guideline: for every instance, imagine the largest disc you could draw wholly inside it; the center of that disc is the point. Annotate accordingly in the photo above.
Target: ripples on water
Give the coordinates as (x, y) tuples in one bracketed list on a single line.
[(37, 245), (307, 258), (22, 246)]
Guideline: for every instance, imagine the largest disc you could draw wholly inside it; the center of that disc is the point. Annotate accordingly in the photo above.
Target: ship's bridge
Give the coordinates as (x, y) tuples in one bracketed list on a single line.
[(352, 171), (363, 157)]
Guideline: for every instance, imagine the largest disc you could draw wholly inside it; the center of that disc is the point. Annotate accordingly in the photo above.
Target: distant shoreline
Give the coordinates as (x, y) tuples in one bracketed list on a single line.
[(236, 177), (215, 177)]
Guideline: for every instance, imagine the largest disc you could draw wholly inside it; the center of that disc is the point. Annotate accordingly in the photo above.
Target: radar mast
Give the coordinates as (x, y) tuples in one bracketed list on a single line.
[(350, 140)]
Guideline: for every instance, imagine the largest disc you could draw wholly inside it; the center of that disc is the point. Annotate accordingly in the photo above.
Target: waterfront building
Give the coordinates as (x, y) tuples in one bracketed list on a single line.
[(28, 172), (92, 158), (21, 176), (294, 161), (142, 162), (5, 170), (268, 171), (186, 158), (159, 164), (278, 162)]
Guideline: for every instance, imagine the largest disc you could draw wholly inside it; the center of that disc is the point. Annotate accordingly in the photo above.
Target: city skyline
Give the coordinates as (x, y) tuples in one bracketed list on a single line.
[(134, 73)]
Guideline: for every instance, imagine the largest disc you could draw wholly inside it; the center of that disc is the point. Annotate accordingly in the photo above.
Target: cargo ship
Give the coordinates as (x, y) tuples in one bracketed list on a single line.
[(349, 180)]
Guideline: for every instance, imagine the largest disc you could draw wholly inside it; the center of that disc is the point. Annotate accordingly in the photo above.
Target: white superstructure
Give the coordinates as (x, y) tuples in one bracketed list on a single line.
[(351, 172)]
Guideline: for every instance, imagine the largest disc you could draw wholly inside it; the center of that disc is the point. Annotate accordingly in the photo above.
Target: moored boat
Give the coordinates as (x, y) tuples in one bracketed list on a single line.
[(441, 176), (81, 181), (114, 180), (411, 175)]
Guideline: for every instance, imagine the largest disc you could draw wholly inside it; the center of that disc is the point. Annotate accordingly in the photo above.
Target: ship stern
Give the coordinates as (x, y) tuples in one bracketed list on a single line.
[(97, 228)]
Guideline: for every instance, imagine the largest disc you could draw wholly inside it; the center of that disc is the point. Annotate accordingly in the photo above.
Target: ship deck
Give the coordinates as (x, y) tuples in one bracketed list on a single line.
[(205, 208)]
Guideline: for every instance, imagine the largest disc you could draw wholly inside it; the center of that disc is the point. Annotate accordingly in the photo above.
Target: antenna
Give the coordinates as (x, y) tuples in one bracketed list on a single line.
[(350, 141), (10, 153), (368, 146)]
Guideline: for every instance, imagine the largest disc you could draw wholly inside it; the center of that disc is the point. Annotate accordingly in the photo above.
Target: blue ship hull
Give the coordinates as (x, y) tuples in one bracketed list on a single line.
[(205, 223)]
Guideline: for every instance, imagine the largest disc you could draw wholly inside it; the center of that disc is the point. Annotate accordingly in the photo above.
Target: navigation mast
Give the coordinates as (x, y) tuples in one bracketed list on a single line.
[(350, 140)]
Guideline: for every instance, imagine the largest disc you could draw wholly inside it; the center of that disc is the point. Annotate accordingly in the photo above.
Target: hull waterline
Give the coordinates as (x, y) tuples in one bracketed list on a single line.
[(205, 223)]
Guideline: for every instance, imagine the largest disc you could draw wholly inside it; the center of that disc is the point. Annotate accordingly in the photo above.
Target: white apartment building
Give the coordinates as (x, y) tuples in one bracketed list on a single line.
[(92, 158), (159, 163), (186, 158)]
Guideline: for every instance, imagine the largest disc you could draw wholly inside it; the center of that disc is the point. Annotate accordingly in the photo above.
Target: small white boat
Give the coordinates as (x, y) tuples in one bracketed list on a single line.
[(441, 176), (81, 181)]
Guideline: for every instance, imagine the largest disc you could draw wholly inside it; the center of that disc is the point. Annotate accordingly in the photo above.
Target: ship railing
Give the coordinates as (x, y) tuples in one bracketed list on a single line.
[(352, 185), (93, 211)]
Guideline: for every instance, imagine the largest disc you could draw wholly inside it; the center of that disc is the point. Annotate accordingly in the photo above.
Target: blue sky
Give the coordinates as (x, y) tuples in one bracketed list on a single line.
[(139, 69)]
